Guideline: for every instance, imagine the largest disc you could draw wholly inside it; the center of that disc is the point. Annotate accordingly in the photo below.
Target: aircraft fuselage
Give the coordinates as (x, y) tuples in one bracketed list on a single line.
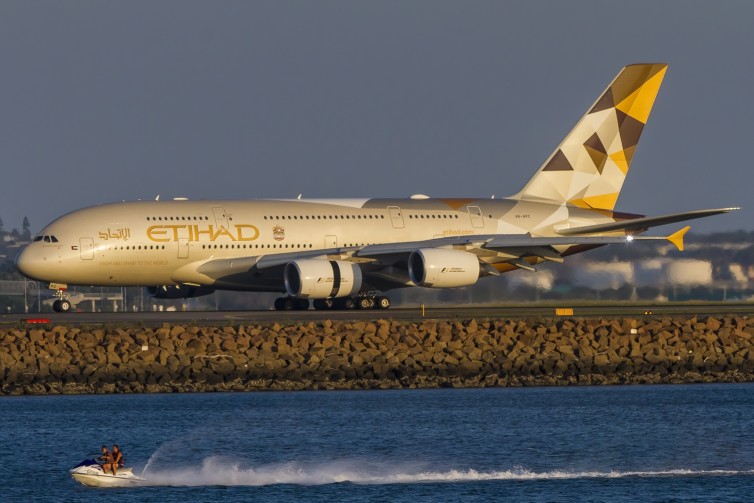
[(145, 243)]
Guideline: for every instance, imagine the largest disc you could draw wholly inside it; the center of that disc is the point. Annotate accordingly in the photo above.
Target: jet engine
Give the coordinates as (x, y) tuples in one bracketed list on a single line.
[(441, 268), (321, 279), (178, 291)]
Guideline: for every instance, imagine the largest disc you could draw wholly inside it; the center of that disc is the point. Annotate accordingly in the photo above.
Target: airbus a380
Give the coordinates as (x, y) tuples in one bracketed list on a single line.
[(341, 252)]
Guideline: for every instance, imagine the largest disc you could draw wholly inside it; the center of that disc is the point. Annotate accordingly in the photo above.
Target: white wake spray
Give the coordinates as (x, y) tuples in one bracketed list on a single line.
[(220, 471)]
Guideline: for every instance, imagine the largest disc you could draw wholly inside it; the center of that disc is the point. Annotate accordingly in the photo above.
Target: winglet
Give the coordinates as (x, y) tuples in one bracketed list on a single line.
[(677, 237)]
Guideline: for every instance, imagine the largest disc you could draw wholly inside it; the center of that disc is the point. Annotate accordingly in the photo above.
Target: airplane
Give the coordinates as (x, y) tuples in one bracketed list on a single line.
[(344, 253)]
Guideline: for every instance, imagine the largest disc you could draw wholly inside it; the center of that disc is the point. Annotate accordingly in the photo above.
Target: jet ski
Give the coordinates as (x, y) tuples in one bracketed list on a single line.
[(89, 473)]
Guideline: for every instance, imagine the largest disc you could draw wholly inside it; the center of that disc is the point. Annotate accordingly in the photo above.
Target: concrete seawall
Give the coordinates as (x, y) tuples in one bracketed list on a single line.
[(379, 354)]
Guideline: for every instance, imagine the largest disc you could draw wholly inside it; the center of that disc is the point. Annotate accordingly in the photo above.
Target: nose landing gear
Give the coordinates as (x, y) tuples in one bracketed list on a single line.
[(62, 305)]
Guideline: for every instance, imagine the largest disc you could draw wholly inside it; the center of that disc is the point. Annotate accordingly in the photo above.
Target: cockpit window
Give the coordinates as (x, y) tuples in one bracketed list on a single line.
[(46, 239)]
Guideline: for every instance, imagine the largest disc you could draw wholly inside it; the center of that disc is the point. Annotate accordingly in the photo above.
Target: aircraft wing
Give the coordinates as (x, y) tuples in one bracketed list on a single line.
[(636, 225), (513, 249), (490, 249), (524, 243)]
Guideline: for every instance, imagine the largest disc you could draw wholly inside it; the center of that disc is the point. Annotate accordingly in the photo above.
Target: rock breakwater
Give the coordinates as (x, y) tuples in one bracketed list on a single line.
[(378, 354)]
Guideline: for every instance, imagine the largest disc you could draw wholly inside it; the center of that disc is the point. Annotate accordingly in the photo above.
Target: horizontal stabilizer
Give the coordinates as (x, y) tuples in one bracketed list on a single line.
[(644, 223), (676, 238)]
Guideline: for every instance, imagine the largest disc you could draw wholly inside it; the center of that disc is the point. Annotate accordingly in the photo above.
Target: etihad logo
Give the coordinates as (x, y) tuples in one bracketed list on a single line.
[(278, 233), (199, 232), (123, 233)]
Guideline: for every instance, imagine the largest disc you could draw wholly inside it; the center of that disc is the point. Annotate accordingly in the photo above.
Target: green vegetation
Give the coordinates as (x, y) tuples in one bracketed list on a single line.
[(10, 242)]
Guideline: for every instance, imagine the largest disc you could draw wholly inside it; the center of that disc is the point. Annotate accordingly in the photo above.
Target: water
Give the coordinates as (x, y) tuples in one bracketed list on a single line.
[(632, 443)]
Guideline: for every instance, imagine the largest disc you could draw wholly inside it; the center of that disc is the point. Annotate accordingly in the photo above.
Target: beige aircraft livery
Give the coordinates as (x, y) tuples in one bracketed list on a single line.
[(342, 253)]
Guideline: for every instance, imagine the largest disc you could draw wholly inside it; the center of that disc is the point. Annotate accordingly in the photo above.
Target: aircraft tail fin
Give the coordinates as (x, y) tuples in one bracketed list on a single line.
[(589, 166)]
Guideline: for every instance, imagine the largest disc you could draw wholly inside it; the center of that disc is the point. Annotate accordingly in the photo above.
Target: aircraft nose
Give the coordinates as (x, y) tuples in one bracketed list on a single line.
[(22, 261), (28, 262)]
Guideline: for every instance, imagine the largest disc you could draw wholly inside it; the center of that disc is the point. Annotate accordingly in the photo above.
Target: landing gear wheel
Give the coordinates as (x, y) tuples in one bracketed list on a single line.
[(284, 304), (382, 303), (323, 304), (61, 303), (365, 303), (346, 303), (301, 304)]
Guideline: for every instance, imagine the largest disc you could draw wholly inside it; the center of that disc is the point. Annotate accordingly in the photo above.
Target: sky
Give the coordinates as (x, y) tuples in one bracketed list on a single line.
[(125, 100)]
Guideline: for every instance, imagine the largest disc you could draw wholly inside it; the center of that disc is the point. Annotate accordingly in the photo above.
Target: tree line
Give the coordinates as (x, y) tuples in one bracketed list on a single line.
[(7, 253), (15, 235)]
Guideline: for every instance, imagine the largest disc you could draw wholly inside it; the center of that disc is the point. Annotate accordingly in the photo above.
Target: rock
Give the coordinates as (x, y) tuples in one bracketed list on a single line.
[(196, 347), (176, 331), (376, 354), (713, 324)]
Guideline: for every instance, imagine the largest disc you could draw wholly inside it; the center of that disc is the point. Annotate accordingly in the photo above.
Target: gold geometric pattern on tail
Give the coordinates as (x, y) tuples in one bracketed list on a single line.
[(589, 166)]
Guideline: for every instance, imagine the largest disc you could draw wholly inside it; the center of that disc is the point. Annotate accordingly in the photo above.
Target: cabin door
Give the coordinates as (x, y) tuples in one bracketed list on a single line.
[(476, 216), (183, 247), (221, 218), (331, 242), (396, 217), (86, 248)]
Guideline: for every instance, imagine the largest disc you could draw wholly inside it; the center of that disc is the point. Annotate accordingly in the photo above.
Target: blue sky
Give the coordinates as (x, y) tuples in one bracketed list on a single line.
[(125, 100)]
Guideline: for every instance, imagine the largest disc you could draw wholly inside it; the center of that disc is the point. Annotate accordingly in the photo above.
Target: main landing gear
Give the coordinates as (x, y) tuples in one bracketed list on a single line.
[(291, 304), (341, 303)]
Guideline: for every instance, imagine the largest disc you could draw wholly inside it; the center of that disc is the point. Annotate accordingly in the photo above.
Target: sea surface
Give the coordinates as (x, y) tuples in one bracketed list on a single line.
[(626, 443)]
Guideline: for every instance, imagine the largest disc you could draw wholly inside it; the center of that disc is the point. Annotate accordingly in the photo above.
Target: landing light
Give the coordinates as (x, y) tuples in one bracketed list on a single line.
[(629, 239)]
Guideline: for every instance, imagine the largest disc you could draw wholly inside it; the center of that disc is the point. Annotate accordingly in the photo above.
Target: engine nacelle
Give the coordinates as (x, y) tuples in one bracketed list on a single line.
[(440, 268), (178, 291), (321, 279)]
